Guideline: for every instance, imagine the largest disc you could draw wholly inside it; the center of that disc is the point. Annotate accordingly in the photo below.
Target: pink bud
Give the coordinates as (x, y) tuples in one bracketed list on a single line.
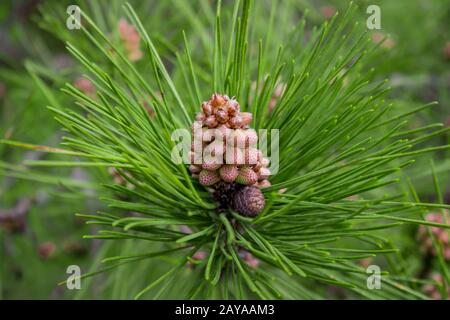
[(233, 107), (222, 115), (86, 86), (251, 260), (199, 255), (46, 250), (208, 178), (217, 100), (236, 121), (211, 122), (246, 118), (264, 173), (228, 173), (207, 108), (124, 28), (211, 166), (131, 39), (246, 176), (200, 117), (194, 169), (185, 229), (264, 184), (135, 55)]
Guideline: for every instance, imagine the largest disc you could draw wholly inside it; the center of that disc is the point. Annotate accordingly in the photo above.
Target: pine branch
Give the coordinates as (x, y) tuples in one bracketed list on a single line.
[(338, 138)]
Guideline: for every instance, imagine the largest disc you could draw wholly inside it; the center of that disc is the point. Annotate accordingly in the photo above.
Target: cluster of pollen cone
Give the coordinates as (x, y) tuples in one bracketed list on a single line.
[(224, 153)]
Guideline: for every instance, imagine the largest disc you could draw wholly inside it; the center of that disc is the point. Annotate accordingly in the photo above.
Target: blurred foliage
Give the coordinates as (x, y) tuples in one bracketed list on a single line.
[(34, 65)]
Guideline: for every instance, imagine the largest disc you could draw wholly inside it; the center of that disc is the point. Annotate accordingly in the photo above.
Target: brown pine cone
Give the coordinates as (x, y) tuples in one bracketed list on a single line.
[(249, 201)]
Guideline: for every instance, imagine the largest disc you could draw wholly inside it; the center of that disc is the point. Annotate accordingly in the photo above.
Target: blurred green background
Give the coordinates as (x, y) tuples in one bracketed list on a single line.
[(39, 233)]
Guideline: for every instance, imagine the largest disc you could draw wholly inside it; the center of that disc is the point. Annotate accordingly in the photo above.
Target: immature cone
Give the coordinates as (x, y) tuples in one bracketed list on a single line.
[(264, 173), (208, 178), (46, 250), (194, 169), (264, 184), (250, 260), (225, 158), (211, 166), (223, 110), (247, 176), (229, 173), (249, 201), (131, 39), (86, 86)]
